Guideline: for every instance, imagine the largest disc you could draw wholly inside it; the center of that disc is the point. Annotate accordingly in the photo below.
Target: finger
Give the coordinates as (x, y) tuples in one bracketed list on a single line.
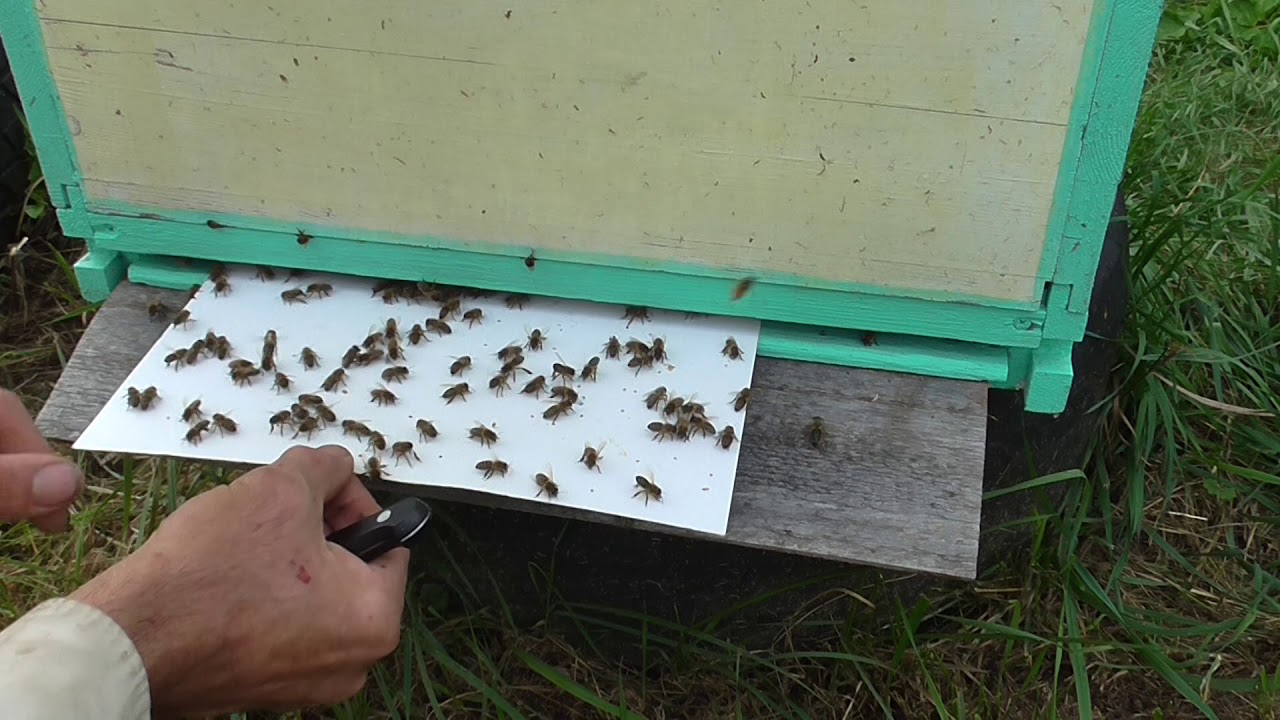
[(326, 470), (18, 434), (352, 504), (33, 485), (54, 522), (391, 571)]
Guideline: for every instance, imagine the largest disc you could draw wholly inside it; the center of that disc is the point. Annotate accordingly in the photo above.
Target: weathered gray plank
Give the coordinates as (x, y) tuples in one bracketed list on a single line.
[(897, 482)]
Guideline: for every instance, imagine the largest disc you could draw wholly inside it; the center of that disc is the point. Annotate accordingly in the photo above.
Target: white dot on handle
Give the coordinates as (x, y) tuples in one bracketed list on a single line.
[(384, 516)]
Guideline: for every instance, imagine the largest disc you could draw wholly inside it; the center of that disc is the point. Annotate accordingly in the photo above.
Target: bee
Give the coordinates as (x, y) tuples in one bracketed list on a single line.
[(648, 488), (553, 413), (535, 386), (742, 399), (417, 335), (450, 308), (701, 425), (218, 272), (511, 366), (517, 302), (243, 376), (426, 430), (438, 327), (693, 408), (369, 357), (192, 412), (372, 340), (726, 437), (382, 397), (294, 296), (655, 396), (456, 392), (536, 340), (460, 365), (221, 347), (265, 273), (377, 442), (742, 288), (327, 416), (319, 290), (142, 399), (336, 379), (546, 485), (473, 316), (374, 469), (492, 467), (612, 348), (382, 286), (672, 408), (310, 360), (197, 431), (183, 318), (299, 411), (282, 420), (282, 382), (589, 370), (483, 435), (177, 359), (562, 371), (194, 353), (636, 348), (395, 373), (221, 286), (304, 238), (565, 394), (632, 314), (500, 383), (395, 352), (869, 339), (404, 450), (391, 331), (510, 352), (731, 349), (591, 457), (356, 429), (640, 362), (663, 431), (239, 364), (157, 310), (816, 433), (307, 426), (310, 400), (224, 424), (659, 350)]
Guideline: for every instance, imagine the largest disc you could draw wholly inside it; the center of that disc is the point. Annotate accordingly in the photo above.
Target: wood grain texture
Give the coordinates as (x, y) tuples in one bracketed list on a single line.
[(896, 483), (889, 144)]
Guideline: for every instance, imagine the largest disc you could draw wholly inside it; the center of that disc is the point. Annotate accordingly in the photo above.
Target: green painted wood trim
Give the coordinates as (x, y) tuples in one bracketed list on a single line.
[(98, 273)]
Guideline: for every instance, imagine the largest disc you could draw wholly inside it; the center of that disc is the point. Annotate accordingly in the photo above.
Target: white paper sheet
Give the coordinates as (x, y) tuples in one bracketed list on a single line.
[(696, 476)]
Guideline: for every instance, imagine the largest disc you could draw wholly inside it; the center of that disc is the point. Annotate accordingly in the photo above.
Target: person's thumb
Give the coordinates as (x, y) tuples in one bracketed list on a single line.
[(34, 485)]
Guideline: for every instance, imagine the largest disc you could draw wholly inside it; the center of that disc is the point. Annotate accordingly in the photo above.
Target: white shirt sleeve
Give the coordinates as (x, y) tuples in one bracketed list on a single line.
[(65, 659)]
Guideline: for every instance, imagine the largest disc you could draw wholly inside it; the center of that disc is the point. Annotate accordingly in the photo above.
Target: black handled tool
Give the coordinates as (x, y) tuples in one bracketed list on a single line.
[(399, 525)]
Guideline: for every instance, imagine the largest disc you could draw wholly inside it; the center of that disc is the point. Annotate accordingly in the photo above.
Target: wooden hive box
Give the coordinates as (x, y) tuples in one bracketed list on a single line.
[(911, 187)]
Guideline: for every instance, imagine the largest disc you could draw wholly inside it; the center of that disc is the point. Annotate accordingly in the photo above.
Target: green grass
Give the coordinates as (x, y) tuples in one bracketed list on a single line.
[(1152, 589)]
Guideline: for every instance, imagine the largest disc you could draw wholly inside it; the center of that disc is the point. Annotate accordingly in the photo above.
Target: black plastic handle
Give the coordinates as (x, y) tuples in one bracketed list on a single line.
[(398, 525)]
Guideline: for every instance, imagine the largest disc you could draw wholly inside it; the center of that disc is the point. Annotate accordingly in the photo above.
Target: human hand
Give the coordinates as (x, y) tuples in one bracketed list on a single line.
[(35, 484), (238, 602)]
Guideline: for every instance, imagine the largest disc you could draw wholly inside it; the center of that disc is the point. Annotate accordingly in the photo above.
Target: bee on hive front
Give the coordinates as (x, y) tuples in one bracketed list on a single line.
[(613, 348), (483, 434), (319, 290), (192, 412), (633, 314), (177, 359), (224, 424), (742, 400), (492, 467), (142, 399), (336, 379), (450, 308), (426, 430), (221, 286), (245, 374), (197, 431), (460, 365), (591, 457), (536, 340), (517, 302), (546, 485), (294, 296), (374, 469), (281, 420), (356, 429), (473, 316), (500, 383), (563, 372), (590, 369), (377, 442), (326, 414), (535, 386), (417, 334), (310, 360), (404, 450), (382, 397), (182, 319), (664, 431), (655, 396), (396, 373), (281, 382), (438, 327), (731, 349), (456, 392), (265, 273), (555, 412), (648, 488)]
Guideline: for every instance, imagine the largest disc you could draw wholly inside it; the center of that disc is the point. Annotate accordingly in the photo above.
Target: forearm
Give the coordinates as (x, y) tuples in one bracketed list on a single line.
[(66, 659)]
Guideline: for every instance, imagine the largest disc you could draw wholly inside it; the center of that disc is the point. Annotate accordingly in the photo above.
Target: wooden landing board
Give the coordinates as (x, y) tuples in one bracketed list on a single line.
[(897, 483)]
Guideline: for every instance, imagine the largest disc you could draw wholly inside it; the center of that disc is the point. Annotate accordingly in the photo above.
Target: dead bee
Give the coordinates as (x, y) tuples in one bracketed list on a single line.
[(500, 383), (326, 414), (633, 314), (294, 296), (404, 450), (460, 365), (636, 348), (282, 382), (726, 437), (456, 392), (369, 357), (546, 485), (377, 442), (157, 310), (535, 386), (299, 411), (731, 349), (591, 458), (648, 488), (224, 424), (473, 316), (221, 286), (438, 327), (310, 400), (183, 318), (483, 435), (197, 431), (382, 397), (142, 399), (319, 290), (282, 420), (663, 431), (655, 396), (742, 399), (269, 350), (307, 426), (816, 433), (245, 375), (310, 360), (565, 394), (553, 413), (492, 467), (336, 379), (396, 373), (510, 352), (426, 430), (177, 359), (349, 357), (391, 331), (562, 371), (701, 425), (536, 340), (612, 348), (356, 429), (192, 412), (589, 370), (742, 288), (659, 350), (450, 308), (372, 340), (673, 406), (374, 469), (265, 273), (517, 302)]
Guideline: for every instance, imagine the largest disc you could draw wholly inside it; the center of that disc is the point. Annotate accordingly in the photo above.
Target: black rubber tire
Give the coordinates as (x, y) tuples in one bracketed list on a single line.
[(14, 162)]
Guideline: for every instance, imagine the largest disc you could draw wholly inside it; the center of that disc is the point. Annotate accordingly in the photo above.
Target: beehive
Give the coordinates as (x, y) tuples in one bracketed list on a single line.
[(919, 187)]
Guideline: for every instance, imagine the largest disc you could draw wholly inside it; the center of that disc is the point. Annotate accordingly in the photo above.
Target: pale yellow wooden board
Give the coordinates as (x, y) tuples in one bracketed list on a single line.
[(659, 131)]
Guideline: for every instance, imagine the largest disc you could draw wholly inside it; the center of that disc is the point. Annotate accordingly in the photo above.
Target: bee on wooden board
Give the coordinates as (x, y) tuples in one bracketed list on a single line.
[(500, 383), (742, 399), (157, 310), (535, 387), (372, 340), (319, 290), (460, 365), (483, 434), (282, 382), (633, 314), (473, 316), (356, 429), (591, 457), (396, 373), (197, 431), (265, 273), (655, 397), (417, 334), (663, 431), (450, 308), (377, 442), (731, 349), (439, 327), (555, 412), (224, 424), (221, 286), (192, 412), (182, 319), (563, 372), (141, 399), (374, 469), (648, 488), (816, 433), (310, 360), (426, 430), (404, 450), (546, 485), (565, 393), (243, 376), (590, 369), (294, 296), (307, 426), (517, 302), (336, 379), (536, 340), (492, 467), (382, 397), (281, 420), (456, 392)]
